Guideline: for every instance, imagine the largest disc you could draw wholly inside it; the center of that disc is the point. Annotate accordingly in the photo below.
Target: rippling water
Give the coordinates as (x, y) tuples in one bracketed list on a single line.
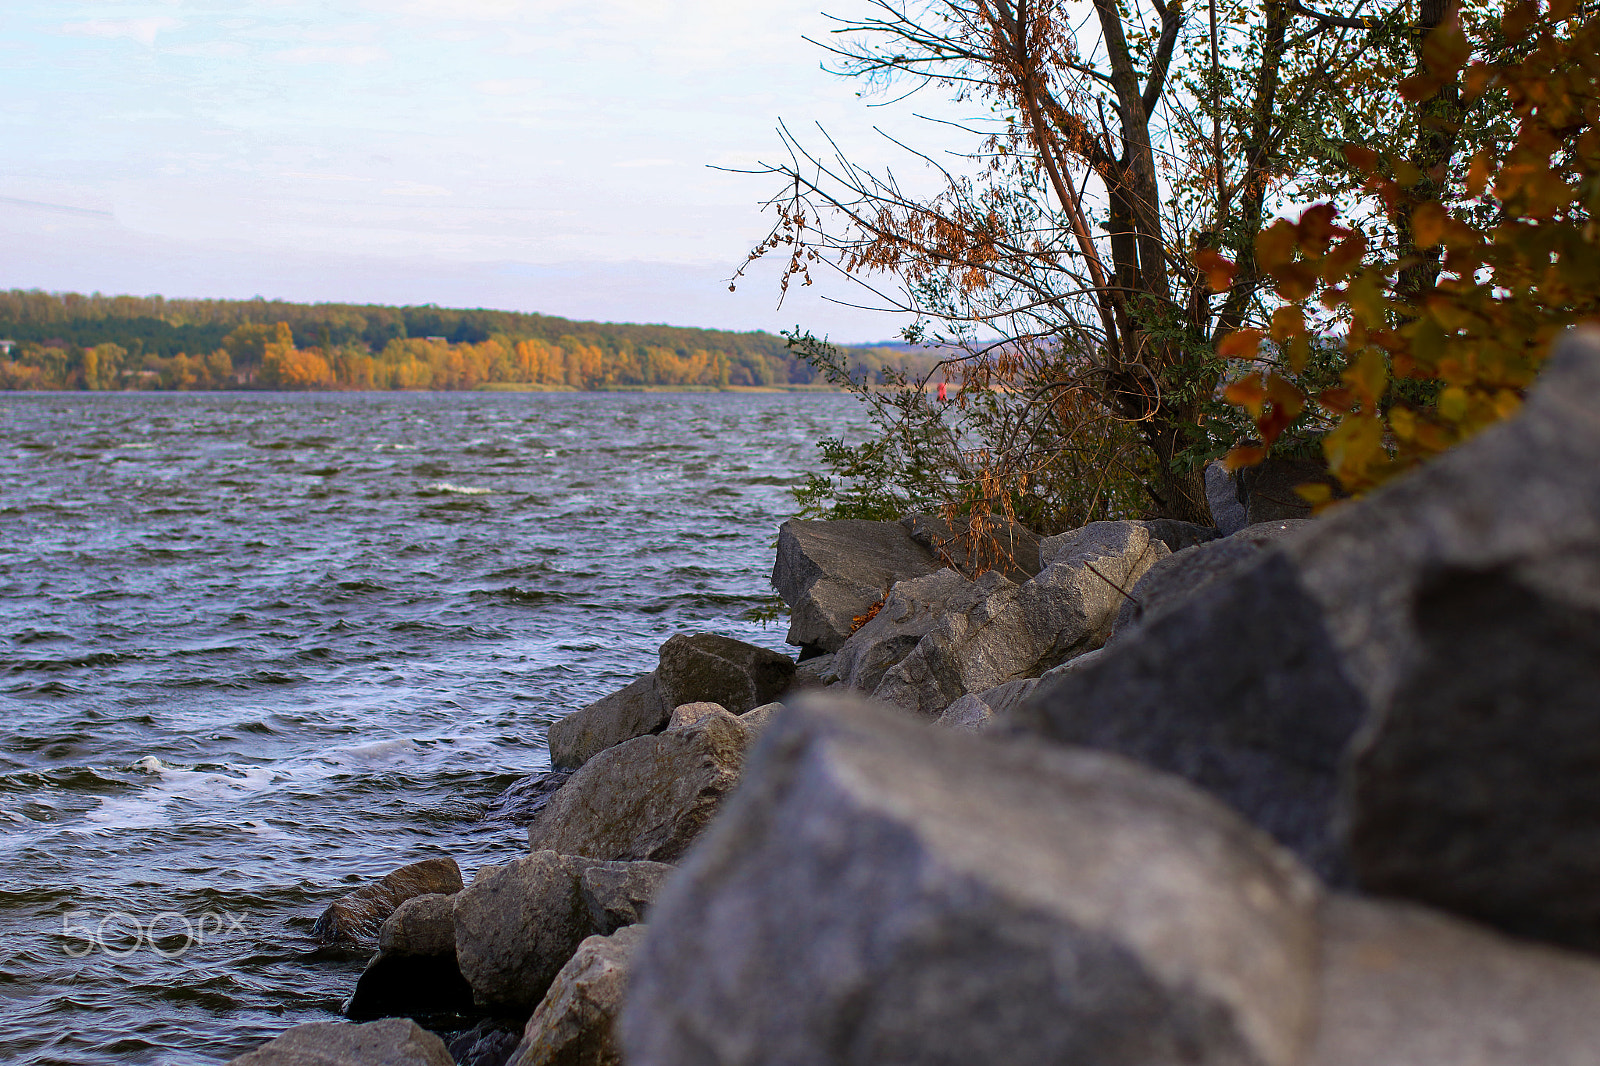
[(258, 649)]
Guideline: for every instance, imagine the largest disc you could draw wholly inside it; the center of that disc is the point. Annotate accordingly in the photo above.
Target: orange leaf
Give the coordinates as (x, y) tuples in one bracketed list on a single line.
[(1241, 456), (1317, 230), (1275, 245), (1478, 172), (1363, 159), (1249, 392), (1428, 223), (1240, 344), (1287, 321), (1446, 49), (1219, 271)]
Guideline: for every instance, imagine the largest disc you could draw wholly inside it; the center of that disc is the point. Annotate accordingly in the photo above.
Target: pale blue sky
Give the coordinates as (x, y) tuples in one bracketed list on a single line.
[(547, 155)]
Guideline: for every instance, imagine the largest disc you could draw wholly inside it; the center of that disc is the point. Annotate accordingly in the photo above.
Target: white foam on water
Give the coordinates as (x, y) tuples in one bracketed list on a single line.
[(458, 490), (147, 809)]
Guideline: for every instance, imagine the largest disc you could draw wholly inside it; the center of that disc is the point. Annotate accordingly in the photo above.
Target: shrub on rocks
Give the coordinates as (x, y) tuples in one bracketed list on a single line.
[(647, 798), (357, 917), (885, 891), (391, 1042)]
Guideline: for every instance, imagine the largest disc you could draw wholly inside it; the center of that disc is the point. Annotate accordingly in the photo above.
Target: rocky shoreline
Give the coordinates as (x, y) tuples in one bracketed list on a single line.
[(1288, 792)]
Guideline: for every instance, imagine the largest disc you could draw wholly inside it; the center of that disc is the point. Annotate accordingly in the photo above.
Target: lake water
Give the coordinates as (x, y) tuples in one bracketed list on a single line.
[(256, 650)]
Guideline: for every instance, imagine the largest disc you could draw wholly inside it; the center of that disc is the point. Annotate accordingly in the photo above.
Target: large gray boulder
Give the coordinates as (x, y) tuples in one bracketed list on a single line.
[(973, 712), (620, 893), (515, 927), (391, 1042), (999, 544), (830, 573), (1403, 986), (884, 891), (1222, 495), (647, 798), (1268, 488), (707, 668), (414, 971), (635, 711), (357, 917), (575, 1023), (1007, 631), (1174, 578), (913, 609), (1403, 691)]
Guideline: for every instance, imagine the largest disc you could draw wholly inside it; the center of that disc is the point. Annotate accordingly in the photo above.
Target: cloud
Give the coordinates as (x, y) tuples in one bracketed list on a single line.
[(339, 55), (143, 30), (631, 163), (414, 188), (509, 86)]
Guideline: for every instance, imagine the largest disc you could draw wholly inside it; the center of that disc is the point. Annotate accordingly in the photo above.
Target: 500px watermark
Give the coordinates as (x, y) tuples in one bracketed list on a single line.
[(120, 934)]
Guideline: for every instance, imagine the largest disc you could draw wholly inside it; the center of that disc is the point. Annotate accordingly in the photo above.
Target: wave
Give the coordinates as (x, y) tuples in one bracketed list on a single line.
[(446, 488)]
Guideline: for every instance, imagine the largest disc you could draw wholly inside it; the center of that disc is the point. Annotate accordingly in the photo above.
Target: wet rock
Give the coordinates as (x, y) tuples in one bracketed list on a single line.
[(575, 1024), (1012, 631), (707, 668), (974, 711), (913, 609), (1414, 667), (1175, 577), (647, 798), (620, 893), (516, 925), (357, 917), (635, 711), (525, 798), (1222, 493), (391, 1042), (491, 1042), (885, 891), (415, 971), (1001, 545), (831, 572), (1403, 986)]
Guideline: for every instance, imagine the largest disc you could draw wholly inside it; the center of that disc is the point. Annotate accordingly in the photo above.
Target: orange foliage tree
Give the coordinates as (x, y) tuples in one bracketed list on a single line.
[(1442, 339)]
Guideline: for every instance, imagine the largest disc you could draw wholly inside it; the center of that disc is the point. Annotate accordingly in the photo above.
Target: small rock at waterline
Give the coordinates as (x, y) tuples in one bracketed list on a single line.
[(391, 1042)]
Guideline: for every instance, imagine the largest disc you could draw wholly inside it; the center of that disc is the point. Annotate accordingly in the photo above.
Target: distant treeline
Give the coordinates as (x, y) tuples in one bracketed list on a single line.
[(68, 341)]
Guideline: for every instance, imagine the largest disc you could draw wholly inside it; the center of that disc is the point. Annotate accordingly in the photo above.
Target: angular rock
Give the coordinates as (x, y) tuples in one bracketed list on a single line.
[(707, 668), (883, 891), (647, 798), (755, 721), (1175, 577), (620, 893), (490, 1042), (635, 711), (356, 917), (1417, 666), (415, 970), (575, 1024), (1000, 544), (831, 572), (1403, 986), (1009, 631), (516, 926), (525, 798), (391, 1042), (1222, 494), (974, 711), (1268, 489), (1475, 790), (913, 609), (815, 672), (1178, 535), (688, 714)]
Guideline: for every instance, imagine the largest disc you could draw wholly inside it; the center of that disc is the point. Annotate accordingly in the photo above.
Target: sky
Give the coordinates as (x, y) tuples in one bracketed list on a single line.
[(534, 155)]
